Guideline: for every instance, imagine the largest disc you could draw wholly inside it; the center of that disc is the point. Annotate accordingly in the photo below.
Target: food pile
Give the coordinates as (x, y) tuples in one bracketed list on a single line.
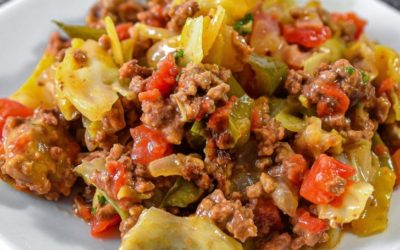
[(205, 124)]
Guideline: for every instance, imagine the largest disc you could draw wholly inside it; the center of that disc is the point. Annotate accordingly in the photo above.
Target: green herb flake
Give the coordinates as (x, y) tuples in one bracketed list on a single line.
[(179, 54), (243, 26), (350, 70), (365, 77), (102, 200), (94, 210)]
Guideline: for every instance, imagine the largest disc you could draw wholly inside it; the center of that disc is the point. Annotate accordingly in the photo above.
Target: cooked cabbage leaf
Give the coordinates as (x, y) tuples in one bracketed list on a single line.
[(157, 229), (88, 87)]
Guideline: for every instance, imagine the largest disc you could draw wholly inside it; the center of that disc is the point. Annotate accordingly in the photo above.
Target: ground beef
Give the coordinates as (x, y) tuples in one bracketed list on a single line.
[(268, 136), (119, 154), (219, 165), (194, 170), (163, 115), (127, 224), (307, 238), (132, 68), (157, 13), (278, 242), (382, 109), (201, 87), (218, 124), (39, 154), (268, 183), (229, 215), (267, 217), (391, 134), (112, 122), (180, 13), (119, 11)]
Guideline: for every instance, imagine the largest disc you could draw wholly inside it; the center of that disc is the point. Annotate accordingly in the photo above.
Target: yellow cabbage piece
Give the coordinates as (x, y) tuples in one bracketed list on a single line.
[(161, 49), (352, 206), (199, 34), (157, 229), (33, 94), (88, 88), (116, 47)]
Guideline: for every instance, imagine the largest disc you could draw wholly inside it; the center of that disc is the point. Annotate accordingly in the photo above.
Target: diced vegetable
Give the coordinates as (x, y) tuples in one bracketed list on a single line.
[(123, 30), (332, 92), (324, 170), (157, 229), (149, 145), (82, 32), (243, 26), (352, 19), (99, 226), (270, 73), (164, 79), (87, 86), (285, 199), (235, 89), (11, 108), (33, 94), (192, 40), (329, 52), (309, 37), (161, 49), (290, 122), (196, 137), (87, 169), (313, 140), (360, 157), (265, 35), (116, 47), (166, 166), (239, 120), (311, 224), (374, 219), (335, 235), (182, 194), (352, 205)]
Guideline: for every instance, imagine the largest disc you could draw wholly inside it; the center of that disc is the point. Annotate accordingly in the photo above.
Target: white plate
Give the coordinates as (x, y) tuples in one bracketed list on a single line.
[(31, 223)]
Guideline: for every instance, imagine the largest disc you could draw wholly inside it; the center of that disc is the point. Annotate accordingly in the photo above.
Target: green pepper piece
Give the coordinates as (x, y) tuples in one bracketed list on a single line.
[(239, 120), (382, 151), (290, 122), (270, 73), (235, 88), (182, 194), (78, 31), (374, 219), (196, 136)]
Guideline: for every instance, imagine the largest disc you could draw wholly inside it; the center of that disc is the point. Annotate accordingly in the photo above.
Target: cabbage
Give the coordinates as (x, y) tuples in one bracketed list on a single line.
[(157, 229), (331, 51), (199, 34), (87, 169), (359, 156), (313, 140), (116, 47), (161, 49), (83, 32), (182, 194), (167, 166), (353, 204), (31, 93), (285, 199), (87, 88)]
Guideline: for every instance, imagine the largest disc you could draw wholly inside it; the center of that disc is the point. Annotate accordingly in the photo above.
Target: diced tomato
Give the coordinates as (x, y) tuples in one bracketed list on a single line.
[(21, 143), (385, 86), (164, 79), (396, 163), (351, 18), (123, 30), (99, 226), (324, 170), (150, 95), (312, 224), (118, 172), (149, 145), (333, 95), (11, 108), (309, 37)]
